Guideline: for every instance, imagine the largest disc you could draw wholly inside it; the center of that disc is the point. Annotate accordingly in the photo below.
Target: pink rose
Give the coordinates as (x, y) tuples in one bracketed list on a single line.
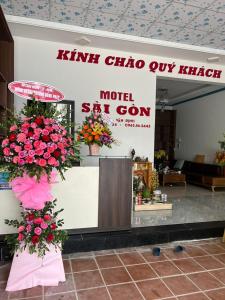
[(36, 137), (18, 148), (37, 131), (13, 128), (63, 158), (12, 146), (52, 161), (43, 145), (44, 225), (20, 237), (55, 127), (38, 220), (5, 142), (21, 137), (15, 159), (36, 144), (21, 161), (33, 125), (42, 162), (22, 154), (46, 155), (63, 151), (38, 231), (21, 228), (28, 228), (51, 149), (25, 125), (39, 152), (28, 147), (45, 132), (54, 137), (49, 128), (6, 151), (31, 153), (60, 145)]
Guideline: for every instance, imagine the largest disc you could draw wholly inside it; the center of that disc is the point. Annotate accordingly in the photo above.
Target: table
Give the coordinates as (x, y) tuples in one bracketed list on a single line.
[(172, 178)]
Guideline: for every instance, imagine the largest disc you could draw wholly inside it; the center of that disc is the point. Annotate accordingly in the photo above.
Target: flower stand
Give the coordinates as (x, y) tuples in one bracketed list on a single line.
[(29, 270)]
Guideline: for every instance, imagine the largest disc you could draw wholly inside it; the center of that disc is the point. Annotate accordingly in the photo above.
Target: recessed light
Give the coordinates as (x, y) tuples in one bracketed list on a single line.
[(213, 59), (83, 40)]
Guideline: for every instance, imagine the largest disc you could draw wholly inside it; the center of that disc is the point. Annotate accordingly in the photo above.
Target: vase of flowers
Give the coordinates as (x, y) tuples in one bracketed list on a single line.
[(95, 133)]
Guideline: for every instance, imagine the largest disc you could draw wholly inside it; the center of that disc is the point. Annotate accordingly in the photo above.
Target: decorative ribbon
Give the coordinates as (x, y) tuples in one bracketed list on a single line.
[(32, 193)]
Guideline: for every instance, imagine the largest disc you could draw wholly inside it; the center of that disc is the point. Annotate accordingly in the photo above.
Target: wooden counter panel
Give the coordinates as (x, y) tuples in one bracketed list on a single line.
[(115, 193)]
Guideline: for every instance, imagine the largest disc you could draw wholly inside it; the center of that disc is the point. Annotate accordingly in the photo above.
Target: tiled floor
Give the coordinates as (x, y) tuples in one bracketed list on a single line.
[(190, 205), (198, 273)]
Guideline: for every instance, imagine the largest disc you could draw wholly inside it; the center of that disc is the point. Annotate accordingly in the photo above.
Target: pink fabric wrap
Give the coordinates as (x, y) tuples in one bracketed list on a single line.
[(32, 193), (29, 270)]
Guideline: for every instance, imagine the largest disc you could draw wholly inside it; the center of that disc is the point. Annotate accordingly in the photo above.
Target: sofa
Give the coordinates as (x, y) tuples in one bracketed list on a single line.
[(204, 174)]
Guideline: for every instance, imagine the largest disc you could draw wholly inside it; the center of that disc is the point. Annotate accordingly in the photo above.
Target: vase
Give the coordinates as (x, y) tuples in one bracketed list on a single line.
[(94, 149)]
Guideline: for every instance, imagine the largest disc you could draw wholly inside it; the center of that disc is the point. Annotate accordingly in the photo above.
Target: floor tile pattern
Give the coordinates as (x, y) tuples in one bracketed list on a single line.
[(134, 273)]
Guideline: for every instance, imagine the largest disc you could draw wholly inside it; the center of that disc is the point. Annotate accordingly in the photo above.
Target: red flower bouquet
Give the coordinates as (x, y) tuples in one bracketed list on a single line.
[(36, 230)]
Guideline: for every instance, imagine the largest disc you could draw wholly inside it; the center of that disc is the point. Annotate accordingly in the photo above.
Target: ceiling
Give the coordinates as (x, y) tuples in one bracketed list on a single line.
[(182, 90), (194, 22)]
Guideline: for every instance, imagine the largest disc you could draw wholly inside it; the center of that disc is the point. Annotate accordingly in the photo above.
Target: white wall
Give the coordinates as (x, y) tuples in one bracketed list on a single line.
[(36, 60), (200, 125), (78, 195)]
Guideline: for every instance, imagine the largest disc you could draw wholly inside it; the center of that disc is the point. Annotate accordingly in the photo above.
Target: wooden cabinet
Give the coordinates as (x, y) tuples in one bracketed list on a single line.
[(115, 193)]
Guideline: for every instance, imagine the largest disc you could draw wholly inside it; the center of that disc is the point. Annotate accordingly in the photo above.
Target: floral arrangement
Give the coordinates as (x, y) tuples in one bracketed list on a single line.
[(220, 155), (37, 144), (95, 130), (36, 230)]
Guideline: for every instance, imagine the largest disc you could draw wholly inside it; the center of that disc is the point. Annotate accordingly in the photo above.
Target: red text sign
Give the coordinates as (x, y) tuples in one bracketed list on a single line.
[(39, 91)]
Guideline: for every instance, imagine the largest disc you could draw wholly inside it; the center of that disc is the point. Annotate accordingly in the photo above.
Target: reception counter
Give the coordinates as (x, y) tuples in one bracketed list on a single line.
[(92, 197)]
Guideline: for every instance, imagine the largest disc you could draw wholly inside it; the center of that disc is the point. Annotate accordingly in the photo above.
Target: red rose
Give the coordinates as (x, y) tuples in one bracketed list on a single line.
[(38, 121), (56, 153), (50, 237), (45, 138), (30, 133), (12, 137), (35, 239), (53, 226), (47, 217), (30, 217), (38, 221)]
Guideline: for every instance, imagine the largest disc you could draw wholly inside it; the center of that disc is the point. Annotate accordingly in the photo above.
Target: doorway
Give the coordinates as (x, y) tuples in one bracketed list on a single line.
[(189, 124)]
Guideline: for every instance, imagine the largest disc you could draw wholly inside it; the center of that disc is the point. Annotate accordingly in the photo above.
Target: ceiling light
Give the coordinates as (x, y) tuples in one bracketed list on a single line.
[(83, 40), (213, 59)]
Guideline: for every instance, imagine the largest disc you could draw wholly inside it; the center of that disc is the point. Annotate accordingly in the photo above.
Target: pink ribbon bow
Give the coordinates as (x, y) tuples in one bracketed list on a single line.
[(32, 193)]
